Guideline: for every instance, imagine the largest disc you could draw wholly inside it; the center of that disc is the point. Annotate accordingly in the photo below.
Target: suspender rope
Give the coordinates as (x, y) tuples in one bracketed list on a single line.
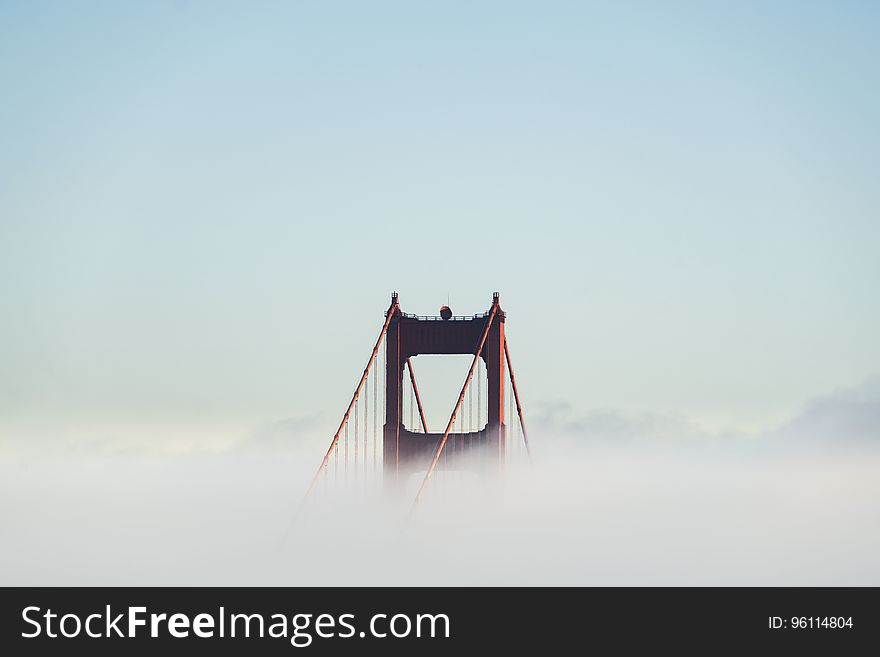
[(391, 312)]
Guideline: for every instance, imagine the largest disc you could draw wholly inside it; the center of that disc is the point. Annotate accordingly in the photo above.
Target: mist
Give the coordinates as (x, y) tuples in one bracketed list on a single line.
[(770, 509)]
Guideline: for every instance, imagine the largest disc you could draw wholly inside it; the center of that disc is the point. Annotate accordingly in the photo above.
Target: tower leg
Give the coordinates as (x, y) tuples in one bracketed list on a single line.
[(493, 353), (393, 405)]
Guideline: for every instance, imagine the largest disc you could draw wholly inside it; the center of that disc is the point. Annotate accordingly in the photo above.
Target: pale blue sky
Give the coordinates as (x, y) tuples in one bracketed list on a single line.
[(205, 206)]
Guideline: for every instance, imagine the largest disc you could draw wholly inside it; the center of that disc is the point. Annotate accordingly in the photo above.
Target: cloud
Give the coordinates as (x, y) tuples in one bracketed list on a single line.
[(287, 434), (662, 510), (845, 416), (610, 426)]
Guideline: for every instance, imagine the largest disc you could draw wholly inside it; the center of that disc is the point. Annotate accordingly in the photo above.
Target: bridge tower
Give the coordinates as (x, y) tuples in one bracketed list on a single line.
[(405, 451), (411, 335)]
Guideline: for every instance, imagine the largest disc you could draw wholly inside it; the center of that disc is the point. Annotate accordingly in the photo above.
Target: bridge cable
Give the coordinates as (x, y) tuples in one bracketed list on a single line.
[(373, 433), (522, 423), (480, 395), (415, 388), (392, 311), (411, 407), (470, 409), (366, 423), (356, 414), (461, 395)]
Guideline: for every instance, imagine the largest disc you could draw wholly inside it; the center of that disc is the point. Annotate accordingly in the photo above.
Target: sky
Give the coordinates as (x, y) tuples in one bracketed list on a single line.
[(205, 206)]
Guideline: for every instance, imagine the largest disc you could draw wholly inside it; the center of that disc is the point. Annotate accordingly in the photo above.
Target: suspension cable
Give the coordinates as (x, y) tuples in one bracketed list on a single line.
[(461, 395), (415, 389), (522, 423), (392, 310)]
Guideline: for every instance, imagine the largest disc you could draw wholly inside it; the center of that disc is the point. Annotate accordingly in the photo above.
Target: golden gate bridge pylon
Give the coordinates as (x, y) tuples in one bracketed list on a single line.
[(469, 435)]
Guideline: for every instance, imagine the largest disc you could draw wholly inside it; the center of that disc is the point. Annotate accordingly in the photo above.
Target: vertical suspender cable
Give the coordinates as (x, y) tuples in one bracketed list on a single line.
[(392, 309), (375, 403), (366, 418), (470, 409), (509, 429), (412, 425), (384, 411), (356, 414), (480, 396)]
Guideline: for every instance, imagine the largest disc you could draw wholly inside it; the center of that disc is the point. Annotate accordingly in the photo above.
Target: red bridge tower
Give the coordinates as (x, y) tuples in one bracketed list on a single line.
[(411, 335), (405, 451)]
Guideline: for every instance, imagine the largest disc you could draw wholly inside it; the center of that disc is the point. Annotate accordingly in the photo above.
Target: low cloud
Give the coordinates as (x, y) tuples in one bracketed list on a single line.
[(846, 416), (609, 426), (288, 434), (610, 499)]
